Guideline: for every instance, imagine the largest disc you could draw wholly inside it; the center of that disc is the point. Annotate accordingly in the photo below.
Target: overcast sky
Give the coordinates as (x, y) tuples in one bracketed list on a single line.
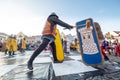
[(29, 16)]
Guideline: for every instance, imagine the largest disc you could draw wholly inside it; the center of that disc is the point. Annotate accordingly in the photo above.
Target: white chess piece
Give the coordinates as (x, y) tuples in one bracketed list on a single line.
[(88, 44)]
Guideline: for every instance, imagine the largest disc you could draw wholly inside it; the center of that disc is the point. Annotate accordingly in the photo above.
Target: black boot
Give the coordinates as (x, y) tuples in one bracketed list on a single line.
[(30, 66), (9, 53), (106, 58), (58, 61), (5, 52), (13, 53)]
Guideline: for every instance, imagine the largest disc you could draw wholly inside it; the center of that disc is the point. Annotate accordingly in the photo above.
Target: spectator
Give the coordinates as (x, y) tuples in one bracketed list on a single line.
[(103, 47), (106, 46), (117, 49)]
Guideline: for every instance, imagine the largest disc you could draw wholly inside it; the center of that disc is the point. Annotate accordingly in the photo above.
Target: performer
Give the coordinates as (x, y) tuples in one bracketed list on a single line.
[(9, 45), (48, 37), (23, 46), (14, 45)]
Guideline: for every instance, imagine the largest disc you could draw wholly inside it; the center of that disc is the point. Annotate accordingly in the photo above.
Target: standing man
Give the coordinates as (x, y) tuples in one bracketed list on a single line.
[(48, 37), (9, 45), (23, 47), (14, 45)]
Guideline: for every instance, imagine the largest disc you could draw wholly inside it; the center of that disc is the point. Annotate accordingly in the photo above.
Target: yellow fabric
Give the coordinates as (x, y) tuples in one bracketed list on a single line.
[(76, 45), (14, 44), (9, 45), (59, 48), (23, 44)]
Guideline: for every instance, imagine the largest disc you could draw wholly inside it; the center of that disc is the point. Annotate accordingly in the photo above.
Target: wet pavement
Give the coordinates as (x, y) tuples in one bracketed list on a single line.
[(15, 68)]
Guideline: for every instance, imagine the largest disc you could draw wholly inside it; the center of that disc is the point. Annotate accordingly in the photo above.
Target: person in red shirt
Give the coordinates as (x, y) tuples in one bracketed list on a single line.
[(117, 49), (103, 48)]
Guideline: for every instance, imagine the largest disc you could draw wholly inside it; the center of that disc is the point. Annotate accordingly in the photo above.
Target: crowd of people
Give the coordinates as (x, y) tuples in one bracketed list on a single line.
[(10, 45), (107, 47), (112, 48)]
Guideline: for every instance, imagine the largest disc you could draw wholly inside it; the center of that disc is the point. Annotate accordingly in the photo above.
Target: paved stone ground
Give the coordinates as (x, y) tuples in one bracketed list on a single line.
[(14, 68)]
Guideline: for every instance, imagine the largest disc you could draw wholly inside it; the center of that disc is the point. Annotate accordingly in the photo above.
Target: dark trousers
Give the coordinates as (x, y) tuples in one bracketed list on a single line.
[(6, 51), (42, 46)]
